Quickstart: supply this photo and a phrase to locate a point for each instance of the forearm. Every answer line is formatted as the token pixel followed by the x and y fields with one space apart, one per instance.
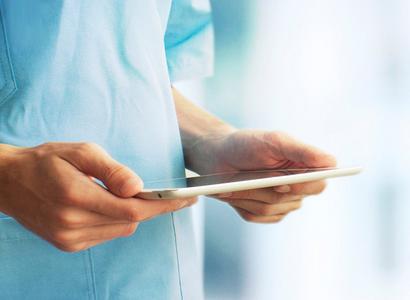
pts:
pixel 196 125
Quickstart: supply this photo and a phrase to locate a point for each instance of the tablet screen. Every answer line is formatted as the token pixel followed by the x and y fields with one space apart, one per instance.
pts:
pixel 224 178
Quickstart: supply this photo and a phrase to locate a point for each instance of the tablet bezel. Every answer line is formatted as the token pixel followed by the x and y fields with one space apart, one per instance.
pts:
pixel 212 189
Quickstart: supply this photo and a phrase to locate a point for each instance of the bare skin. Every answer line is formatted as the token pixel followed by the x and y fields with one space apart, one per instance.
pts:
pixel 50 189
pixel 212 146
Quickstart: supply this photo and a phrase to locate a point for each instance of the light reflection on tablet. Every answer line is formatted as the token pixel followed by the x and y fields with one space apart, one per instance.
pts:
pixel 224 178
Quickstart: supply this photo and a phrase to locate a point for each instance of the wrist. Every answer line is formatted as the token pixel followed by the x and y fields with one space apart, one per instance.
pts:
pixel 7 157
pixel 201 133
pixel 7 154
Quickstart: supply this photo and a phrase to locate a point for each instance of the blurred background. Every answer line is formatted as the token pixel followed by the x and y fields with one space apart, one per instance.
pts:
pixel 336 74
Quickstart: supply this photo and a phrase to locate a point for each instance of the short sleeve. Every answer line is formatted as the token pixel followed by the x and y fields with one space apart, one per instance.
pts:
pixel 189 40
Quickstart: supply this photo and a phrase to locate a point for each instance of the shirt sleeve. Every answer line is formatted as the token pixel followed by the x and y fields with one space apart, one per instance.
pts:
pixel 189 41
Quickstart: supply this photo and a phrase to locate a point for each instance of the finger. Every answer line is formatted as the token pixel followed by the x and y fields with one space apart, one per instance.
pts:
pixel 80 246
pixel 308 188
pixel 267 195
pixel 263 209
pixel 75 218
pixel 77 240
pixel 258 219
pixel 282 189
pixel 93 160
pixel 103 232
pixel 147 209
pixel 88 195
pixel 86 245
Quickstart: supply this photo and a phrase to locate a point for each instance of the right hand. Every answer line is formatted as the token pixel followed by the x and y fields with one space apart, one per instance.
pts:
pixel 50 190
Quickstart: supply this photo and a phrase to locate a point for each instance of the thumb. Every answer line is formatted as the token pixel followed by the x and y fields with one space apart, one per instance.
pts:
pixel 93 160
pixel 305 154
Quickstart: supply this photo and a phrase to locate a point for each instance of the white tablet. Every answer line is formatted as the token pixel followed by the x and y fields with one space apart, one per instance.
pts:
pixel 236 181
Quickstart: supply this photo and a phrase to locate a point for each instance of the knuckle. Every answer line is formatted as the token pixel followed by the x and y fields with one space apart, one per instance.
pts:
pixel 134 215
pixel 67 219
pixel 68 193
pixel 89 147
pixel 46 153
pixel 62 237
pixel 47 162
pixel 45 148
pixel 40 152
pixel 50 145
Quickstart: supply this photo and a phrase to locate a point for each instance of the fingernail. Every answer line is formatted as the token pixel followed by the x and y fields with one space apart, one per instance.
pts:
pixel 282 189
pixel 187 203
pixel 184 203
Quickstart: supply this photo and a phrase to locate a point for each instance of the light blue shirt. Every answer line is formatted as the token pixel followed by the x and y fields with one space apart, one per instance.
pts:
pixel 100 71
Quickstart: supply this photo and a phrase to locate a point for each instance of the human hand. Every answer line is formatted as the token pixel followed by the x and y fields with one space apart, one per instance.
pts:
pixel 50 189
pixel 252 150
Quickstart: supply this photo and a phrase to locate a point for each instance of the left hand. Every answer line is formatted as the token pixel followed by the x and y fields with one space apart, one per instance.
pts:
pixel 252 150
